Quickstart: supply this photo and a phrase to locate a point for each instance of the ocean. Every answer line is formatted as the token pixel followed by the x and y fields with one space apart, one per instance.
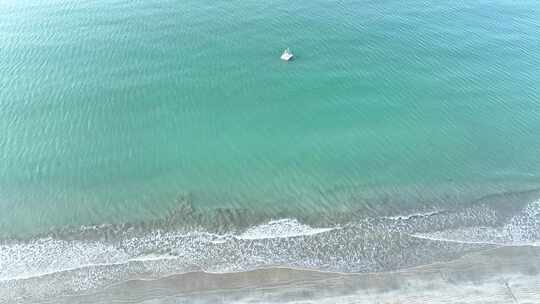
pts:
pixel 146 139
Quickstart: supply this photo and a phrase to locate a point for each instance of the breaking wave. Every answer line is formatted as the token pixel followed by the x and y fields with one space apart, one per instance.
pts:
pixel 47 256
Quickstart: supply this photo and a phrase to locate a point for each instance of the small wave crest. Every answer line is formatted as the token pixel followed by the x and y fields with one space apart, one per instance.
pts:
pixel 283 228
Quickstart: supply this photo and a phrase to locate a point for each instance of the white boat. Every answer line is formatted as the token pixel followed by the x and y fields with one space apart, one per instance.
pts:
pixel 287 55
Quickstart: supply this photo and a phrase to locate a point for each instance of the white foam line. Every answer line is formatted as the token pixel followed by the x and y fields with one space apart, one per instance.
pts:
pixel 146 258
pixel 44 273
pixel 511 244
pixel 314 231
pixel 151 257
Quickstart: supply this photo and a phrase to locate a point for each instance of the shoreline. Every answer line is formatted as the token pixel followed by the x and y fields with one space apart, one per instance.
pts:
pixel 496 274
pixel 107 258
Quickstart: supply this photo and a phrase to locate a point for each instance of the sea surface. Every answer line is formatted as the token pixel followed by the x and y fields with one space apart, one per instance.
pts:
pixel 146 139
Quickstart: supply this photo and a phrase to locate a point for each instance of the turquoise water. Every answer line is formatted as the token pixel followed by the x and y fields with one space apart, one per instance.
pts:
pixel 113 111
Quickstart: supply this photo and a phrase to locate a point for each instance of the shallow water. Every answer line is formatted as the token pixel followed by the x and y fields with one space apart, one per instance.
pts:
pixel 144 139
